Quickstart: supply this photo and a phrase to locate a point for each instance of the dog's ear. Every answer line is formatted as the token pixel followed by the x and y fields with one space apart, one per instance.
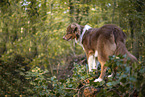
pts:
pixel 76 28
pixel 73 26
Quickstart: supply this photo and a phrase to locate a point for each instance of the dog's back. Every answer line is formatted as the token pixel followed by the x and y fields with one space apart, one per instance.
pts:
pixel 113 34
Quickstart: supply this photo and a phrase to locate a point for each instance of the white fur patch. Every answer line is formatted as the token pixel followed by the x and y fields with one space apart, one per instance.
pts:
pixel 98 80
pixel 87 27
pixel 96 53
pixel 91 63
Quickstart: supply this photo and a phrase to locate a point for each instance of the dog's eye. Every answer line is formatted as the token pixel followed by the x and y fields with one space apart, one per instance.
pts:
pixel 69 33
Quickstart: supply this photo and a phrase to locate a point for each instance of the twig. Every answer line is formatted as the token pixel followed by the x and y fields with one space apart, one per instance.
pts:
pixel 79 90
pixel 70 89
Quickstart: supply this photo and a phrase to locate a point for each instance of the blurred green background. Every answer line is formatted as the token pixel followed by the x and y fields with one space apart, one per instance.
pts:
pixel 31 34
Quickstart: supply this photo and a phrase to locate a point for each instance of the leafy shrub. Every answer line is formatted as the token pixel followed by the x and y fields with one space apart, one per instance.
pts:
pixel 37 79
pixel 62 88
pixel 128 81
pixel 12 76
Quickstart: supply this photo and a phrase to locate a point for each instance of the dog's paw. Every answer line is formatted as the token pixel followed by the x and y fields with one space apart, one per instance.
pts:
pixel 90 70
pixel 98 80
pixel 110 75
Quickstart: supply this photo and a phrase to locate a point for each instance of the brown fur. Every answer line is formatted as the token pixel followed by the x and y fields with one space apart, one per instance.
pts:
pixel 107 40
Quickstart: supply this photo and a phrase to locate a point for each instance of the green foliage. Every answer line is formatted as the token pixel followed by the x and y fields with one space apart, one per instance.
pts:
pixel 64 88
pixel 37 79
pixel 31 34
pixel 12 75
pixel 128 80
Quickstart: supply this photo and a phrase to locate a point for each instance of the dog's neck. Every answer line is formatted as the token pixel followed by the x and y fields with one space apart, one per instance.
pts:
pixel 79 40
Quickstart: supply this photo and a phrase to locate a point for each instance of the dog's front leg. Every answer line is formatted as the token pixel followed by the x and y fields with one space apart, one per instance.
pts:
pixel 91 62
pixel 94 63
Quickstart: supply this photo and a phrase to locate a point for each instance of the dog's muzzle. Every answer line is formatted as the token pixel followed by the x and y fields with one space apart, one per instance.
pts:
pixel 66 38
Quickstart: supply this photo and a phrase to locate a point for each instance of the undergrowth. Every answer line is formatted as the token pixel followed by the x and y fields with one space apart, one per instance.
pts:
pixel 127 82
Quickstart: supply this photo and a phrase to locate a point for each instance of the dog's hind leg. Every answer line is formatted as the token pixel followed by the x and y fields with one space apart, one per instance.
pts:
pixel 105 49
pixel 103 72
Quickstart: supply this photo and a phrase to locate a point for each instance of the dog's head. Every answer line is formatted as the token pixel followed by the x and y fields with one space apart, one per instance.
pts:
pixel 73 31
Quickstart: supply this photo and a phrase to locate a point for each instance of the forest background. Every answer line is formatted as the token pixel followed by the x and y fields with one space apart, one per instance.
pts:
pixel 31 34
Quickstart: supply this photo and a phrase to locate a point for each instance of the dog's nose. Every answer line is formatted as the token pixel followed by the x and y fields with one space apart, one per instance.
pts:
pixel 64 37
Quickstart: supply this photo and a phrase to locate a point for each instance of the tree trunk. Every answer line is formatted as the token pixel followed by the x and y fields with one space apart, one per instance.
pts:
pixel 44 10
pixel 4 7
pixel 139 8
pixel 71 12
pixel 71 8
pixel 131 24
pixel 33 15
pixel 114 5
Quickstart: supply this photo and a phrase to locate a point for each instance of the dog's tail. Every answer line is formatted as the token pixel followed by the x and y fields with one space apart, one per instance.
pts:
pixel 121 49
pixel 120 38
pixel 132 57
